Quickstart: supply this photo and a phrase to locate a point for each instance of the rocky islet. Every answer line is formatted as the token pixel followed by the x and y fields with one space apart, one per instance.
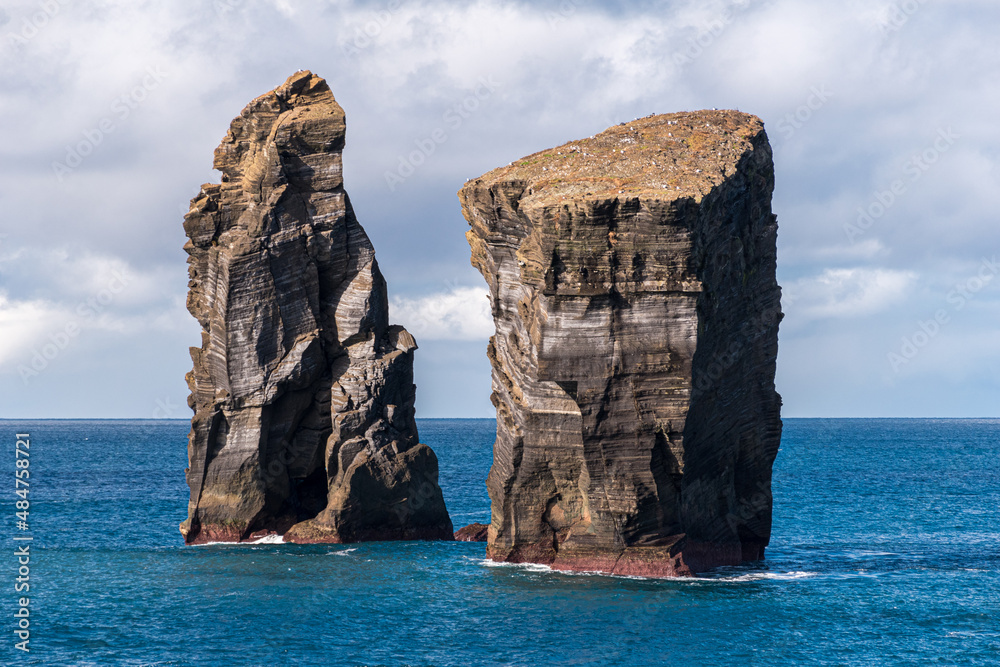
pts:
pixel 303 392
pixel 632 283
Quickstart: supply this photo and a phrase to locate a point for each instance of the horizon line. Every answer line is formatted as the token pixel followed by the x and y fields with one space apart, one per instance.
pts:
pixel 183 419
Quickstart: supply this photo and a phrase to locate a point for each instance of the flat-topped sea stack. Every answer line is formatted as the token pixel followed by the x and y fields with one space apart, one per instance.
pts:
pixel 632 281
pixel 303 393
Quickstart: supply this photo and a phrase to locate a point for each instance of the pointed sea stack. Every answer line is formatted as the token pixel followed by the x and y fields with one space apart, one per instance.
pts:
pixel 632 280
pixel 303 393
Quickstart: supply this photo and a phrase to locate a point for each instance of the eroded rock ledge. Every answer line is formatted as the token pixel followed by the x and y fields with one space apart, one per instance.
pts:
pixel 474 532
pixel 303 393
pixel 632 279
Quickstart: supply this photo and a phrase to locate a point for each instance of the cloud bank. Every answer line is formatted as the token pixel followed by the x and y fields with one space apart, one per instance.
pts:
pixel 881 115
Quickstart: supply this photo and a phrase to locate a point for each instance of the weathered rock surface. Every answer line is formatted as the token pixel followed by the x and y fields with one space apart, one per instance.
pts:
pixel 474 532
pixel 632 280
pixel 303 393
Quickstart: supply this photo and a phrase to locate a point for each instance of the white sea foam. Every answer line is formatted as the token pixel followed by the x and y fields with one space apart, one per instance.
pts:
pixel 267 539
pixel 527 567
pixel 972 634
pixel 761 576
pixel 726 578
pixel 536 567
pixel 342 552
pixel 865 554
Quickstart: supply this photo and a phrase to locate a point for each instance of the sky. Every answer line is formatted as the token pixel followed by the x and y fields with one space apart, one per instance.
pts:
pixel 882 116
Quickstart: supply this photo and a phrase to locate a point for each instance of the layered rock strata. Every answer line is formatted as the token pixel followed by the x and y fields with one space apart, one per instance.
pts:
pixel 632 281
pixel 303 393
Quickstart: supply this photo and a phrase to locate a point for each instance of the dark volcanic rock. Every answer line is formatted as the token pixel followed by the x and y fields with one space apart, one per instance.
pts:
pixel 632 280
pixel 303 393
pixel 474 532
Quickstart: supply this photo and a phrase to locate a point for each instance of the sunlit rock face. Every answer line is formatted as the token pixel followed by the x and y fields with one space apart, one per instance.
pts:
pixel 303 393
pixel 632 280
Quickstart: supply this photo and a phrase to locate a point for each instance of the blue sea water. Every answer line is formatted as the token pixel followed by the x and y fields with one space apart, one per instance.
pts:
pixel 885 551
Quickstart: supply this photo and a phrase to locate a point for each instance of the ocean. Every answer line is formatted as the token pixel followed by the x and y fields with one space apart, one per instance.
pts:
pixel 885 551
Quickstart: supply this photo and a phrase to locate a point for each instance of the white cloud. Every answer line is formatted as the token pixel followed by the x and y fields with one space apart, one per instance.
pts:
pixel 461 314
pixel 23 324
pixel 54 295
pixel 37 326
pixel 867 249
pixel 846 293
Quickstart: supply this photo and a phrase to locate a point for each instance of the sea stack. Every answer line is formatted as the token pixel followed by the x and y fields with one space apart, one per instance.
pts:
pixel 632 282
pixel 303 393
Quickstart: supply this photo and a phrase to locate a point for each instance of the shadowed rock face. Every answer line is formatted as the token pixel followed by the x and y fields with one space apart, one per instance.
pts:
pixel 303 393
pixel 632 280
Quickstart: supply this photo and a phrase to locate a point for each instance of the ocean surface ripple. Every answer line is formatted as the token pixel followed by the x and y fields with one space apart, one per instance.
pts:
pixel 885 551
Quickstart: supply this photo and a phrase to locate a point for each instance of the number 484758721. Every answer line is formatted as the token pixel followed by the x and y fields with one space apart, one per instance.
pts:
pixel 22 475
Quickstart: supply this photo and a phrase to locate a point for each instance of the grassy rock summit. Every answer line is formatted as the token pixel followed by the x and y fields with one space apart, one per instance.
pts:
pixel 632 281
pixel 303 393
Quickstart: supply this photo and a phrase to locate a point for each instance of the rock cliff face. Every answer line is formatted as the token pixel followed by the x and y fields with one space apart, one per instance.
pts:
pixel 632 280
pixel 303 393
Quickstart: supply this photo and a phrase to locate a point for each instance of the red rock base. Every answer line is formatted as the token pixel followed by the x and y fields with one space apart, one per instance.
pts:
pixel 308 532
pixel 475 532
pixel 679 558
